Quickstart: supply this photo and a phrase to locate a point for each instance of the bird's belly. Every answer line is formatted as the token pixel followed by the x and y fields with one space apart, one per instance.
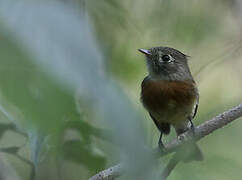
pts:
pixel 171 117
pixel 172 113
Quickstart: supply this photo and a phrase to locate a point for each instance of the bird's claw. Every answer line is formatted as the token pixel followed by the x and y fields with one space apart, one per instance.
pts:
pixel 161 145
pixel 192 128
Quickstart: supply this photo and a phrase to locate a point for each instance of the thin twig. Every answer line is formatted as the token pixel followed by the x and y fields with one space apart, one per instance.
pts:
pixel 199 132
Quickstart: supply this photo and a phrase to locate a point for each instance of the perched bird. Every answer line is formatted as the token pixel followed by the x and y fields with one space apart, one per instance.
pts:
pixel 169 93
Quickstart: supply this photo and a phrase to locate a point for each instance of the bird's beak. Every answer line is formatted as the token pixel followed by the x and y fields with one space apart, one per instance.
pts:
pixel 145 51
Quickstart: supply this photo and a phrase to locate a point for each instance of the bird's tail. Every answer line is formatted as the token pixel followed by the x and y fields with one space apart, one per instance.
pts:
pixel 194 154
pixel 190 152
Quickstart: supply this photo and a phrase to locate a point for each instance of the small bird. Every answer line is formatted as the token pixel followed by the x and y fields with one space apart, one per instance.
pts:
pixel 169 93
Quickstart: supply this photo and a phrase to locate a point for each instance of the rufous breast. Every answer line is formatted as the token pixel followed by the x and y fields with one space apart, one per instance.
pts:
pixel 164 95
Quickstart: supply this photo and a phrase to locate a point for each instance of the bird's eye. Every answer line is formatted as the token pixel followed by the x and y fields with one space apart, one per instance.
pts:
pixel 166 58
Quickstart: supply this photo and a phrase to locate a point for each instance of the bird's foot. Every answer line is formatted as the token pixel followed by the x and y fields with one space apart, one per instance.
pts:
pixel 161 145
pixel 192 128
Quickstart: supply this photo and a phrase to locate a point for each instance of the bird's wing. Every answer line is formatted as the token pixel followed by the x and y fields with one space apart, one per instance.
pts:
pixel 194 112
pixel 163 127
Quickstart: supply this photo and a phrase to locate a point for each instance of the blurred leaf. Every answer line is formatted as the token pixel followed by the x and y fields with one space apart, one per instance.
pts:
pixel 71 61
pixel 79 152
pixel 6 127
pixel 75 63
pixel 86 131
pixel 10 150
pixel 83 128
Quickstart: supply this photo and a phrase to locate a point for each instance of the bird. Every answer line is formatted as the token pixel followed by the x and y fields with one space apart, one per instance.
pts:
pixel 170 94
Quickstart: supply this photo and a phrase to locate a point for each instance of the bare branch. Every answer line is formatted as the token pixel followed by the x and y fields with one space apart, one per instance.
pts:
pixel 109 174
pixel 199 132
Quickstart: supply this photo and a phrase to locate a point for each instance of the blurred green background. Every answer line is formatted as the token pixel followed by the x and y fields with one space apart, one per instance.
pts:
pixel 60 133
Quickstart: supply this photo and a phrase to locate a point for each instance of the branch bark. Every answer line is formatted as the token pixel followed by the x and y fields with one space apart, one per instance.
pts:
pixel 109 174
pixel 199 132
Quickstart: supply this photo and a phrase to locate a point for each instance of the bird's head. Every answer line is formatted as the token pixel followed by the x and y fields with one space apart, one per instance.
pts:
pixel 166 63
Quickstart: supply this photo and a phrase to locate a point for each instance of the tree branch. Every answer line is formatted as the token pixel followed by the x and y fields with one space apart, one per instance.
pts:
pixel 109 174
pixel 199 132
